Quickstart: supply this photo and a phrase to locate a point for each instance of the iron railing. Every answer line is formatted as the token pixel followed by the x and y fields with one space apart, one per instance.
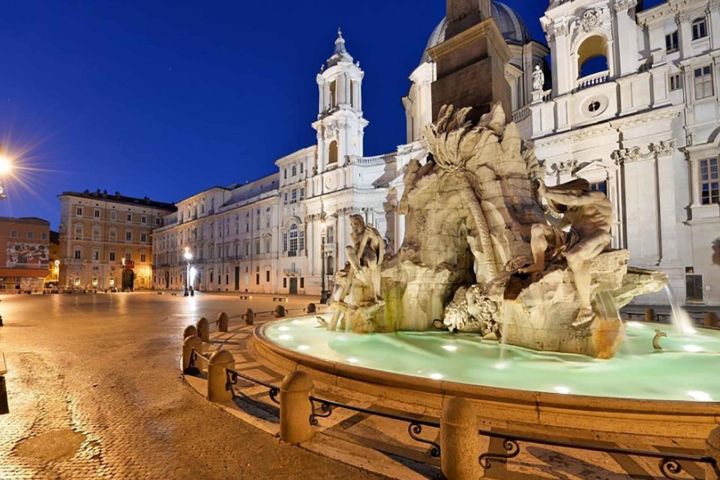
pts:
pixel 323 408
pixel 670 463
pixel 232 377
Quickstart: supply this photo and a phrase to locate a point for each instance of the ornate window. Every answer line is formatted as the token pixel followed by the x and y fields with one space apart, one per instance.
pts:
pixel 294 170
pixel 703 82
pixel 671 42
pixel 675 82
pixel 699 29
pixel 709 181
pixel 113 235
pixel 293 240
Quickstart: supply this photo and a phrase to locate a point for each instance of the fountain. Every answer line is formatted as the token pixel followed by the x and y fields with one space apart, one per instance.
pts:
pixel 526 289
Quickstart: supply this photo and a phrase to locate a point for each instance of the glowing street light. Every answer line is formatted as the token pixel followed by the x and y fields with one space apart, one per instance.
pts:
pixel 6 168
pixel 188 258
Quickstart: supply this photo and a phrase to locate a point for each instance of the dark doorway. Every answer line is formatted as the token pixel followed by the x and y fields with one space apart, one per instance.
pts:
pixel 167 280
pixel 237 278
pixel 694 288
pixel 293 286
pixel 128 280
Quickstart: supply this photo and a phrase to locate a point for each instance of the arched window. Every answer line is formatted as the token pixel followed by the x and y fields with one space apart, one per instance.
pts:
pixel 592 56
pixel 699 28
pixel 294 170
pixel 333 152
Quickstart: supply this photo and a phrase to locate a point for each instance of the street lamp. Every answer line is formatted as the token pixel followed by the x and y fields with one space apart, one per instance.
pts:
pixel 324 294
pixel 188 257
pixel 6 168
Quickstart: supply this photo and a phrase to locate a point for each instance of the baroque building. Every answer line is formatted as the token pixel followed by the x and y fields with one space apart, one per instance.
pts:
pixel 285 232
pixel 634 109
pixel 105 240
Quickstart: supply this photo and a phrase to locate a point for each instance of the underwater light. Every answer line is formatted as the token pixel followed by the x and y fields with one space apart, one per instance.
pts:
pixel 700 396
pixel 693 348
pixel 562 390
pixel 436 376
pixel 450 348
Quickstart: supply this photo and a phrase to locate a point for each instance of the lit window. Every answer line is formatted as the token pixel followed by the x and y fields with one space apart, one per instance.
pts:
pixel 709 181
pixel 671 42
pixel 293 240
pixel 699 29
pixel 703 82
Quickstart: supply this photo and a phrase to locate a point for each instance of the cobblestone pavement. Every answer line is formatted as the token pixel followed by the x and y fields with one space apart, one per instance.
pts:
pixel 95 392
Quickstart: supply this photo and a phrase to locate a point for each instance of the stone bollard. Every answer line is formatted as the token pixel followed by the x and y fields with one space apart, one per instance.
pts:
pixel 190 331
pixel 460 443
pixel 203 329
pixel 223 322
pixel 711 320
pixel 217 378
pixel 295 408
pixel 279 311
pixel 311 308
pixel 712 450
pixel 250 317
pixel 649 315
pixel 190 344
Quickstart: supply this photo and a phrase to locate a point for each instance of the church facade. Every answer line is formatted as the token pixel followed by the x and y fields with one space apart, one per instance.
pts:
pixel 634 108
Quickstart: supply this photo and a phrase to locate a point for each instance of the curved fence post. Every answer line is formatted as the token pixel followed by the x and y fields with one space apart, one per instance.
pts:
pixel 190 331
pixel 295 408
pixel 203 329
pixel 190 344
pixel 279 311
pixel 217 378
pixel 223 322
pixel 459 440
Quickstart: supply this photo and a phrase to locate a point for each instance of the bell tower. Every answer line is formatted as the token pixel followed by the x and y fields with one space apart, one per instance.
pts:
pixel 340 125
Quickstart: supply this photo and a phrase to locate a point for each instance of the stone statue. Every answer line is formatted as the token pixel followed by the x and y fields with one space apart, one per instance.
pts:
pixel 589 216
pixel 472 218
pixel 366 253
pixel 538 78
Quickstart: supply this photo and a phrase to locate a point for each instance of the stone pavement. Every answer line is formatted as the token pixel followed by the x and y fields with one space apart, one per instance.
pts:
pixel 95 391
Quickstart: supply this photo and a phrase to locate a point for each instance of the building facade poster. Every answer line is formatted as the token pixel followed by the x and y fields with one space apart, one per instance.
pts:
pixel 22 254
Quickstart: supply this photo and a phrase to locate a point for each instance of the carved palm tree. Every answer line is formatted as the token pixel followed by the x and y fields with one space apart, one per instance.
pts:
pixel 453 140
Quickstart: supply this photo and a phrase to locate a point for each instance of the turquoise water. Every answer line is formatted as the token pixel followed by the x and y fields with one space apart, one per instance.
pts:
pixel 688 367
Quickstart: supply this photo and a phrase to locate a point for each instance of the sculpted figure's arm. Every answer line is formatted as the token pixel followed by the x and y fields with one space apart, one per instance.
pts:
pixel 381 249
pixel 570 199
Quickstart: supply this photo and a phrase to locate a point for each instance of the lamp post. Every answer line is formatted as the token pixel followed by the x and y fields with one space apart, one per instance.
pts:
pixel 188 258
pixel 324 294
pixel 6 167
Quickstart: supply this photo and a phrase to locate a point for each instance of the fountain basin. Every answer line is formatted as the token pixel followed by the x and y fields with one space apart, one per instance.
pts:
pixel 672 393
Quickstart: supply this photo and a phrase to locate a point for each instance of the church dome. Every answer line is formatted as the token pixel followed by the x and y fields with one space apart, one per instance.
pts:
pixel 509 23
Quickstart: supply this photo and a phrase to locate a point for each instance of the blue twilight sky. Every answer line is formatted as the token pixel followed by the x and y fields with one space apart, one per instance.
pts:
pixel 165 99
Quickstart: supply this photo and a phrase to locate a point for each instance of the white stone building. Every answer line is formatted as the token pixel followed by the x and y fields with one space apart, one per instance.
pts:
pixel 634 109
pixel 271 235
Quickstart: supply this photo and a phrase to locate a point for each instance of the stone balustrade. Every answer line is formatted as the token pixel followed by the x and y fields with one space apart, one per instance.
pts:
pixel 592 80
